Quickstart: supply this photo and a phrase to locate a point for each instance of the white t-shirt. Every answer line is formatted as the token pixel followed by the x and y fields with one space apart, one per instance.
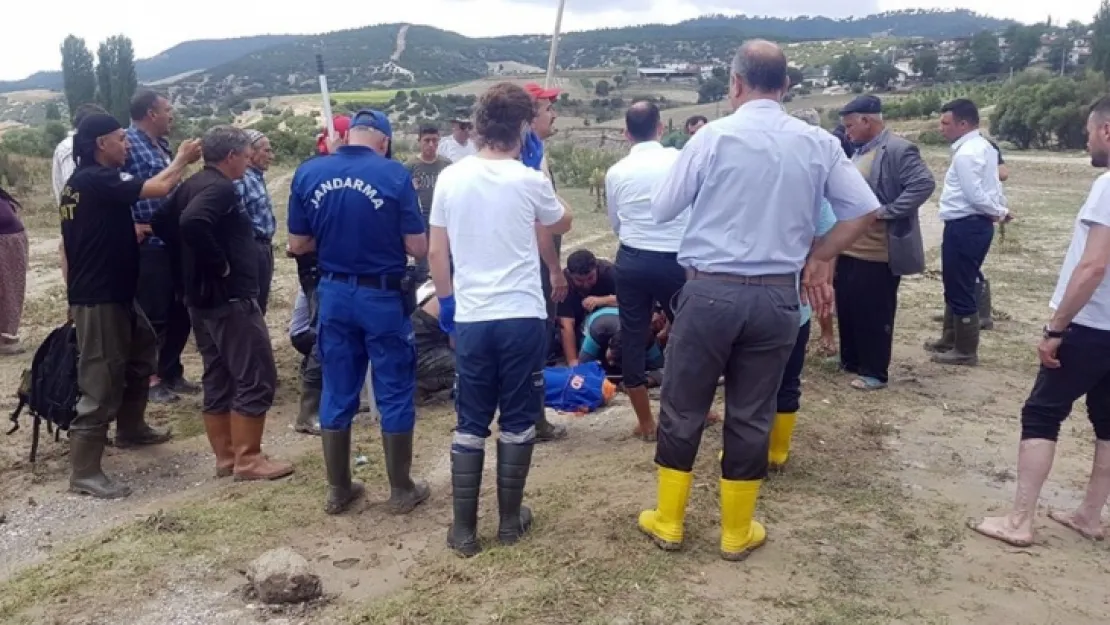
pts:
pixel 490 209
pixel 63 166
pixel 1096 210
pixel 454 151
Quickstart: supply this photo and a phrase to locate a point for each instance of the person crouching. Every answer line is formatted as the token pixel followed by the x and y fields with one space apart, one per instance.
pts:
pixel 220 263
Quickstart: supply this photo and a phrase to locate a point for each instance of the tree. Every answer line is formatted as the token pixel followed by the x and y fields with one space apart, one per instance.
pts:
pixel 1022 44
pixel 618 80
pixel 712 90
pixel 926 63
pixel 105 64
pixel 78 77
pixel 1100 40
pixel 986 56
pixel 1045 111
pixel 1059 53
pixel 115 76
pixel 846 70
pixel 796 76
pixel 602 88
pixel 881 75
pixel 53 113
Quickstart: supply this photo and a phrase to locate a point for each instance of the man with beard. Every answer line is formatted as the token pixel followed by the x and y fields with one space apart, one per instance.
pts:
pixel 159 292
pixel 593 285
pixel 1075 361
pixel 115 340
pixel 255 199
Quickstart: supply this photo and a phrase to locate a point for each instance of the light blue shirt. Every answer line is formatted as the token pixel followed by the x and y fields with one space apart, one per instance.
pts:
pixel 754 182
pixel 825 222
pixel 302 317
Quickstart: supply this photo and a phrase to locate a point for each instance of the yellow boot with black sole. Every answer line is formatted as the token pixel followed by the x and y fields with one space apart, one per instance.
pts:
pixel 740 533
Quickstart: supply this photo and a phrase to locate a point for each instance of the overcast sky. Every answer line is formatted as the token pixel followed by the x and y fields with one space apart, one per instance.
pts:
pixel 32 37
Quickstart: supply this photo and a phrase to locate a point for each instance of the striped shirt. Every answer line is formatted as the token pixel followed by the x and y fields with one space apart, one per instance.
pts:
pixel 255 201
pixel 146 158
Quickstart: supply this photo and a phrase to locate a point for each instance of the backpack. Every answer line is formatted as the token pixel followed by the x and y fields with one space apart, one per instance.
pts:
pixel 49 388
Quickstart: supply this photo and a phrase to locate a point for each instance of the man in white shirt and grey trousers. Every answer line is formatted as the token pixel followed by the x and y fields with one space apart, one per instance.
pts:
pixel 647 264
pixel 970 204
pixel 754 183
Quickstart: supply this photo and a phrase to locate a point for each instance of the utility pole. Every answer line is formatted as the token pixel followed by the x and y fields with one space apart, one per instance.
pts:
pixel 554 45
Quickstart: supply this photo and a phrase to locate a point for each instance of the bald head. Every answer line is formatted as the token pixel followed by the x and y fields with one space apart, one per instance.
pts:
pixel 642 122
pixel 761 66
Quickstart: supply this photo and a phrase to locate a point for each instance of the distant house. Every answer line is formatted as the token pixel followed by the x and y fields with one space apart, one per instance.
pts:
pixel 670 72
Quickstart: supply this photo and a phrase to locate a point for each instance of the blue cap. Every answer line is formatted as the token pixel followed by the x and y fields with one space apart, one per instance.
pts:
pixel 368 118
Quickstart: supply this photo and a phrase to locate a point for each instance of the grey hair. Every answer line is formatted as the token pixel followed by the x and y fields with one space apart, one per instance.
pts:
pixel 254 136
pixel 223 141
pixel 809 116
pixel 761 65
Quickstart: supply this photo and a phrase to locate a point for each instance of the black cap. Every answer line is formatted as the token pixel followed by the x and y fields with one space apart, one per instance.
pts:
pixel 864 104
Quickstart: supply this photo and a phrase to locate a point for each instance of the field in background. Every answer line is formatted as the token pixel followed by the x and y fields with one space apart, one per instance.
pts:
pixel 866 526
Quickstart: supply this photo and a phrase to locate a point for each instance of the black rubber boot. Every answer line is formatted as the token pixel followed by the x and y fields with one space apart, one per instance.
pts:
pixel 513 463
pixel 466 482
pixel 547 431
pixel 948 335
pixel 132 430
pixel 86 448
pixel 983 297
pixel 309 415
pixel 966 350
pixel 342 492
pixel 404 493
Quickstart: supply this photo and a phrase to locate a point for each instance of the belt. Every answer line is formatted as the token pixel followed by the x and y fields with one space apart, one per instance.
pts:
pixel 384 283
pixel 637 251
pixel 780 279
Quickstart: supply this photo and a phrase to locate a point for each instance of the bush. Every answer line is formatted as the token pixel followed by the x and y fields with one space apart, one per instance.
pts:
pixel 575 166
pixel 1045 111
pixel 931 137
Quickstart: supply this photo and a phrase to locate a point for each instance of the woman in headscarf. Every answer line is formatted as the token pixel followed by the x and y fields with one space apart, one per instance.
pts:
pixel 13 273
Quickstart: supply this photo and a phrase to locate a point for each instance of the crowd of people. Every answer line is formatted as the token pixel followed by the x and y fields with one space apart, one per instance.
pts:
pixel 728 249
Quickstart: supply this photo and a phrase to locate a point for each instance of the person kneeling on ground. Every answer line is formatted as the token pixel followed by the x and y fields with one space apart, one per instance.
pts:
pixel 603 338
pixel 117 341
pixel 220 262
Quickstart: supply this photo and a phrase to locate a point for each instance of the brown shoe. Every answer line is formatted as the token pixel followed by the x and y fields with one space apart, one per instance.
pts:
pixel 218 428
pixel 250 462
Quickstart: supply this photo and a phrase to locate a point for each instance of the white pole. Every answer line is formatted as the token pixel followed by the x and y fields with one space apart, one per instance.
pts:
pixel 328 121
pixel 554 45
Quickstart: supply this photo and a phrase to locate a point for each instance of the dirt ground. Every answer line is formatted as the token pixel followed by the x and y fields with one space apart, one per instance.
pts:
pixel 867 525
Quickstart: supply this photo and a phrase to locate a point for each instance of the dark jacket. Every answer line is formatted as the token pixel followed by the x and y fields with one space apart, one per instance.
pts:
pixel 902 182
pixel 213 239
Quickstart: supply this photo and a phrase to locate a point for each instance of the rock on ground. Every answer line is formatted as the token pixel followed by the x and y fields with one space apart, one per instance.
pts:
pixel 283 576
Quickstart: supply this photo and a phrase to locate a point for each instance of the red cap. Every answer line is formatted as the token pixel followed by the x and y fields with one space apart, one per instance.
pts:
pixel 539 93
pixel 342 124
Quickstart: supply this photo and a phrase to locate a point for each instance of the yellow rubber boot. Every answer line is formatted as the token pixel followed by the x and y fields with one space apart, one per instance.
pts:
pixel 664 524
pixel 740 535
pixel 781 434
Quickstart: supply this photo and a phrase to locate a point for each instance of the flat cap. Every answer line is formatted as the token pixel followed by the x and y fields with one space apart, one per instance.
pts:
pixel 864 104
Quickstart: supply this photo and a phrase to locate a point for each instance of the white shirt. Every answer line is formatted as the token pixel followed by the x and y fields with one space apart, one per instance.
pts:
pixel 971 186
pixel 490 209
pixel 754 182
pixel 1096 210
pixel 452 150
pixel 629 186
pixel 63 166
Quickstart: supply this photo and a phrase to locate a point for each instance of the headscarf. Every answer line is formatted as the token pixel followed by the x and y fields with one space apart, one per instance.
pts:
pixel 84 141
pixel 253 136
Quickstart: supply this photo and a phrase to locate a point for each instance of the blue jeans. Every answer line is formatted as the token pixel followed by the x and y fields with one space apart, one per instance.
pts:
pixel 964 247
pixel 360 325
pixel 499 368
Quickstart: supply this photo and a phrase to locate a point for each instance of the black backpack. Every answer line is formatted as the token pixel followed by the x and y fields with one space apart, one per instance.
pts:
pixel 49 389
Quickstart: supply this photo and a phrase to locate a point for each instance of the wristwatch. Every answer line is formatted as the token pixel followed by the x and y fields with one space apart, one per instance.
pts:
pixel 1049 333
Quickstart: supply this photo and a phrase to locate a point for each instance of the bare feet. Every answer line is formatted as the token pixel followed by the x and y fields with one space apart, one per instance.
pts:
pixel 1006 529
pixel 1091 530
pixel 713 417
pixel 645 433
pixel 826 347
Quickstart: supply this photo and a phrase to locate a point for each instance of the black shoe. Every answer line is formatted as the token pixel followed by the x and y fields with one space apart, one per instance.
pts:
pixel 182 386
pixel 342 492
pixel 161 394
pixel 466 483
pixel 142 436
pixel 513 463
pixel 404 493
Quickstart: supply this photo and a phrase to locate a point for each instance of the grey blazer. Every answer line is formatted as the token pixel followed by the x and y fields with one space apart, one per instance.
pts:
pixel 902 182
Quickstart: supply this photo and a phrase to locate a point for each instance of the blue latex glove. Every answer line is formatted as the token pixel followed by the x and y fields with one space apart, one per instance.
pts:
pixel 447 314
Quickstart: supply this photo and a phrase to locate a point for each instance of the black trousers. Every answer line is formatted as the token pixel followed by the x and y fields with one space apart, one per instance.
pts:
pixel 265 272
pixel 790 389
pixel 643 278
pixel 746 332
pixel 239 370
pixel 964 246
pixel 552 346
pixel 159 299
pixel 866 303
pixel 1084 356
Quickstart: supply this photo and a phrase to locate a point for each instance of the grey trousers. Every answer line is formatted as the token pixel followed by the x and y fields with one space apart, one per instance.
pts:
pixel 744 328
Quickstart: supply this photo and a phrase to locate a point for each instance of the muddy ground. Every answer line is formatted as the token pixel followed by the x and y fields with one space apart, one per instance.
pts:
pixel 867 525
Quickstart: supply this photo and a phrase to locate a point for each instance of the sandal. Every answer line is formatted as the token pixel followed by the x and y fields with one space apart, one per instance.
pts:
pixel 867 383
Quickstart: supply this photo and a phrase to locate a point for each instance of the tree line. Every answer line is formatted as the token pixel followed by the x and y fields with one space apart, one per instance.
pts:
pixel 111 83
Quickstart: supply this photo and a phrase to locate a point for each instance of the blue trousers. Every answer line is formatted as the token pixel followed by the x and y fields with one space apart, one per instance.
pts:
pixel 964 247
pixel 358 326
pixel 499 367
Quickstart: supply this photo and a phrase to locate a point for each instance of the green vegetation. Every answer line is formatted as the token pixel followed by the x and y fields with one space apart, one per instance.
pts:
pixel 1038 110
pixel 927 102
pixel 77 69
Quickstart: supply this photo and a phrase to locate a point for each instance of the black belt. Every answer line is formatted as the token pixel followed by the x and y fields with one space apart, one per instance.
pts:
pixel 638 252
pixel 384 283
